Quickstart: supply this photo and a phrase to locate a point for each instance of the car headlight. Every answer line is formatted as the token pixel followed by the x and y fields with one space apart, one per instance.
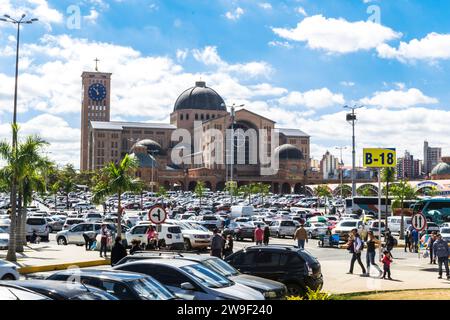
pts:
pixel 270 294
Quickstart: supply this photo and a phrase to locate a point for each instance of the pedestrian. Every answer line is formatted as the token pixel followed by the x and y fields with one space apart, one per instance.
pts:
pixel 228 246
pixel 371 252
pixel 104 232
pixel 266 235
pixel 390 242
pixel 408 240
pixel 118 251
pixel 386 260
pixel 415 240
pixel 259 235
pixel 358 246
pixel 442 252
pixel 217 244
pixel 152 238
pixel 135 246
pixel 89 238
pixel 430 243
pixel 301 236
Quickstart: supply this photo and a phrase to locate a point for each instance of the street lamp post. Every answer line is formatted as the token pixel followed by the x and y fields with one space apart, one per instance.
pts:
pixel 11 256
pixel 351 117
pixel 341 164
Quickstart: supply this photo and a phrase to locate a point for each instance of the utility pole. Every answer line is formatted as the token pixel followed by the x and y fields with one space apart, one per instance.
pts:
pixel 341 165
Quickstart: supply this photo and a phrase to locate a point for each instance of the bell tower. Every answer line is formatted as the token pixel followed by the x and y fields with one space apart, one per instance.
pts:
pixel 96 106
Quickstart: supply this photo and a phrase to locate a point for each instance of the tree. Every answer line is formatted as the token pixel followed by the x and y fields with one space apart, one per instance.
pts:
pixel 117 179
pixel 431 191
pixel 231 188
pixel 247 190
pixel 387 176
pixel 200 190
pixel 323 191
pixel 263 190
pixel 67 181
pixel 402 191
pixel 21 162
pixel 366 191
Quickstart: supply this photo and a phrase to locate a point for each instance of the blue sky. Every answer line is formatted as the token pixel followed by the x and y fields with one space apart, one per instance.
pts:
pixel 296 61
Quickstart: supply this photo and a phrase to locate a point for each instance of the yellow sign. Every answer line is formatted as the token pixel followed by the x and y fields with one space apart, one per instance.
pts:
pixel 380 158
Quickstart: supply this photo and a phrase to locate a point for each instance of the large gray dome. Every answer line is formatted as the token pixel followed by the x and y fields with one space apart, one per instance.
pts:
pixel 441 169
pixel 200 97
pixel 289 152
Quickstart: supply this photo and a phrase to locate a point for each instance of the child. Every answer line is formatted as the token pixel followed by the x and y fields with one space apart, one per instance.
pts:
pixel 386 260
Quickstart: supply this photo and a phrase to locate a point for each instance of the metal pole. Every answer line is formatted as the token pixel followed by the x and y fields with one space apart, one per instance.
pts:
pixel 232 152
pixel 379 209
pixel 353 154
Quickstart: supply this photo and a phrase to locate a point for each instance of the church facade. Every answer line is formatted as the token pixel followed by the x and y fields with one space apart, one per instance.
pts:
pixel 205 154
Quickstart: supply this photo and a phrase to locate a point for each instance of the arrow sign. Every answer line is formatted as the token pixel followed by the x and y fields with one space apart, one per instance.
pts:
pixel 419 222
pixel 157 215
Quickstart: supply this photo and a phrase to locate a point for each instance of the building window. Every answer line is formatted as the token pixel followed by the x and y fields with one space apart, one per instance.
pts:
pixel 213 116
pixel 181 117
pixel 196 116
pixel 187 116
pixel 202 117
pixel 207 117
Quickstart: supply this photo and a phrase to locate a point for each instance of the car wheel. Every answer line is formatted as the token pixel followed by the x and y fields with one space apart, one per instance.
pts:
pixel 50 230
pixel 294 290
pixel 187 244
pixel 278 235
pixel 310 235
pixel 8 277
pixel 62 241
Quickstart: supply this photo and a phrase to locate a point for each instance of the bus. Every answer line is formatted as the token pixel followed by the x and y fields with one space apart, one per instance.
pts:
pixel 434 209
pixel 368 204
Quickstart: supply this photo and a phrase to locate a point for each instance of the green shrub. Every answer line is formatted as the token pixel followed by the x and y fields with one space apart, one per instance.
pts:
pixel 312 295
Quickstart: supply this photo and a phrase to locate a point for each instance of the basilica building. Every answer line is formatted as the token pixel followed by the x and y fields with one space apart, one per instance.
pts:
pixel 204 141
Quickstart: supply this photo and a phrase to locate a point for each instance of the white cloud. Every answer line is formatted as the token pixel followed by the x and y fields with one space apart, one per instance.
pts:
pixel 433 47
pixel 265 6
pixel 235 15
pixel 399 98
pixel 314 99
pixel 182 54
pixel 347 83
pixel 92 17
pixel 210 57
pixel 338 35
pixel 283 44
pixel 302 11
pixel 33 9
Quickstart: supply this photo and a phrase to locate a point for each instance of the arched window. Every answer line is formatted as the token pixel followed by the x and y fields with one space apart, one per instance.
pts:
pixel 181 117
pixel 187 116
pixel 202 117
pixel 207 117
pixel 196 116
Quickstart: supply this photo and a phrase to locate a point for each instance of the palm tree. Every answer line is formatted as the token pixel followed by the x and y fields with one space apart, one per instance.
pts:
pixel 402 191
pixel 21 163
pixel 117 179
pixel 200 190
pixel 387 176
pixel 323 192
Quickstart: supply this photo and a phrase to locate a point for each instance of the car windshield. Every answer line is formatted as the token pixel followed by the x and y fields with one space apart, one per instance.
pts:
pixel 149 289
pixel 221 267
pixel 348 224
pixel 209 218
pixel 198 227
pixel 206 276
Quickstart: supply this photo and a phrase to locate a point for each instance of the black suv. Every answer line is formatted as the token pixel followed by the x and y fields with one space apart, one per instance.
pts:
pixel 294 267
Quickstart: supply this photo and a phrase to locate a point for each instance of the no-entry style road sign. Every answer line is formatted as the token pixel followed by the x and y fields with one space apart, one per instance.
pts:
pixel 380 158
pixel 419 222
pixel 157 214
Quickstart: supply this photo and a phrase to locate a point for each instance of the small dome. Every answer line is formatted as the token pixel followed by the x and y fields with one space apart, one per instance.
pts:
pixel 153 147
pixel 200 97
pixel 441 169
pixel 289 152
pixel 144 160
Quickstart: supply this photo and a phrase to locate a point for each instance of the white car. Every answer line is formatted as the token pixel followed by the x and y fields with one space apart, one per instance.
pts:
pixel 282 228
pixel 195 237
pixel 344 227
pixel 74 235
pixel 445 232
pixel 38 225
pixel 4 238
pixel 8 271
pixel 93 217
pixel 170 235
pixel 315 229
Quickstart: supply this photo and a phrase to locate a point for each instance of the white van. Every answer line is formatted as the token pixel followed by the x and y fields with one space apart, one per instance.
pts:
pixel 394 223
pixel 241 211
pixel 169 235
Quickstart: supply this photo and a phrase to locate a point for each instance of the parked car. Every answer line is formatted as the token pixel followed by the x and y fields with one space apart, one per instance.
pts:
pixel 315 229
pixel 445 232
pixel 282 228
pixel 294 267
pixel 210 222
pixel 11 291
pixel 394 223
pixel 191 280
pixel 56 290
pixel 8 271
pixel 93 217
pixel 431 226
pixel 169 236
pixel 4 238
pixel 121 284
pixel 344 227
pixel 240 231
pixel 270 289
pixel 38 225
pixel 71 222
pixel 54 224
pixel 193 236
pixel 75 234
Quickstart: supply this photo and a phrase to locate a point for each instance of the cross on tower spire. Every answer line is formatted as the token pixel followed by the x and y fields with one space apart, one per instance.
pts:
pixel 96 64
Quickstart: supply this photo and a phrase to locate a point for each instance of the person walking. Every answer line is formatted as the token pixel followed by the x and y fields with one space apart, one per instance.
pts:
pixel 430 243
pixel 390 242
pixel 104 233
pixel 442 252
pixel 371 252
pixel 118 251
pixel 217 244
pixel 266 235
pixel 358 246
pixel 408 240
pixel 259 235
pixel 228 246
pixel 415 240
pixel 386 260
pixel 152 238
pixel 301 236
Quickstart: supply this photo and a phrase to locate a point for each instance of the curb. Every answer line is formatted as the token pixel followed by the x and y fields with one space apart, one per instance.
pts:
pixel 63 266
